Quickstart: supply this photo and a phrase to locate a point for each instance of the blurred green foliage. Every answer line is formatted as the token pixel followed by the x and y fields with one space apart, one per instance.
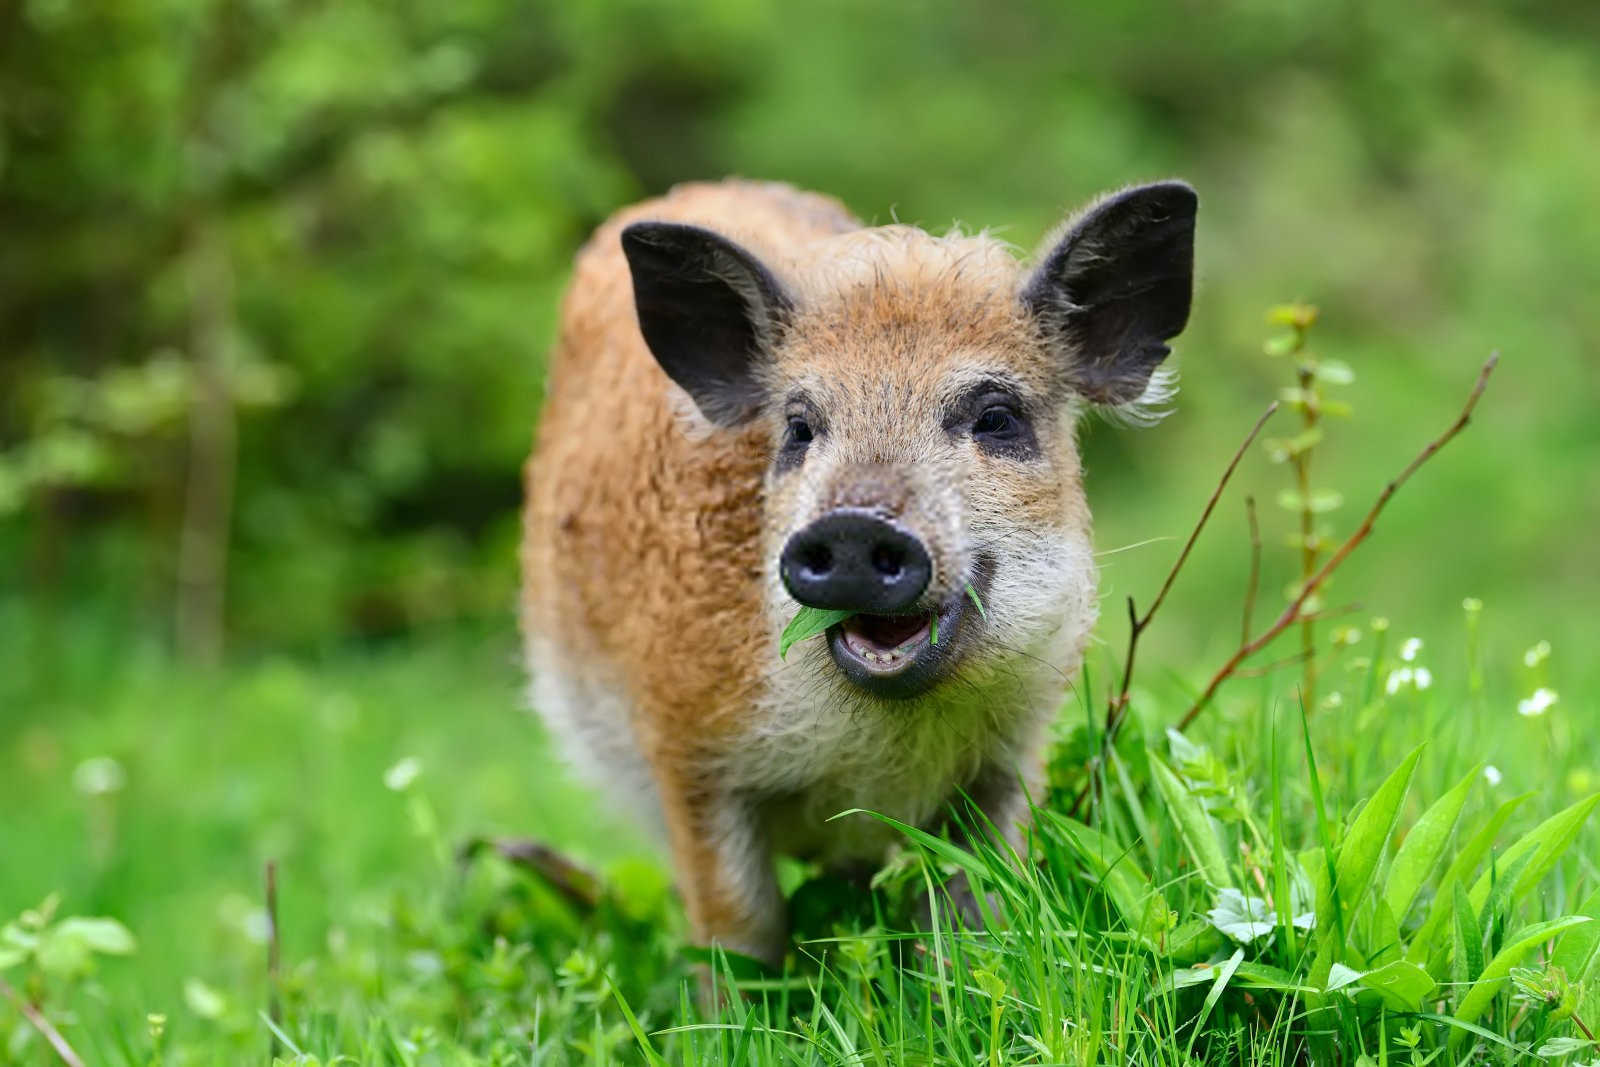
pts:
pixel 396 190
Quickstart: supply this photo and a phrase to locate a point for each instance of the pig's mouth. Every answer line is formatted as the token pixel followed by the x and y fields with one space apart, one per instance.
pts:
pixel 902 656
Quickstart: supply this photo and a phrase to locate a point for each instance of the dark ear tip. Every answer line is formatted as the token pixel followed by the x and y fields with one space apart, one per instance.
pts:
pixel 1174 196
pixel 643 234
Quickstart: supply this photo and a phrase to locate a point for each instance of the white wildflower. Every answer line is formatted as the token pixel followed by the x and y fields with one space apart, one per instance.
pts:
pixel 257 926
pixel 1423 677
pixel 402 774
pixel 1537 654
pixel 1409 650
pixel 1491 774
pixel 99 776
pixel 1538 703
pixel 1401 676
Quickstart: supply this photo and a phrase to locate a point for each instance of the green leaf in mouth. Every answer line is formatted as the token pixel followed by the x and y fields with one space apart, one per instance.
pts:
pixel 973 593
pixel 807 623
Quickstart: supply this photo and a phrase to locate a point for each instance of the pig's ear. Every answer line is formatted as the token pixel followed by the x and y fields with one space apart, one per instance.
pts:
pixel 708 310
pixel 1116 288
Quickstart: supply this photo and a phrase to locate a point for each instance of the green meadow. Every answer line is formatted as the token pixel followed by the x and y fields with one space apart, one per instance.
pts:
pixel 276 284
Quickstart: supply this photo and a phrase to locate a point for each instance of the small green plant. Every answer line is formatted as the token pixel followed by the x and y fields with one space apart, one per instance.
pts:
pixel 50 957
pixel 1308 397
pixel 1432 927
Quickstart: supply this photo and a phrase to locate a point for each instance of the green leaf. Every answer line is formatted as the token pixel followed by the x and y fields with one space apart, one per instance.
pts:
pixel 1224 976
pixel 1358 855
pixel 1194 825
pixel 1325 500
pixel 1297 316
pixel 1265 976
pixel 1400 985
pixel 1192 941
pixel 1575 954
pixel 1494 976
pixel 1544 844
pixel 203 1000
pixel 1114 870
pixel 1334 372
pixel 1363 844
pixel 1281 345
pixel 1425 945
pixel 105 936
pixel 1403 986
pixel 1295 397
pixel 808 623
pixel 1466 940
pixel 973 594
pixel 1557 1047
pixel 1423 847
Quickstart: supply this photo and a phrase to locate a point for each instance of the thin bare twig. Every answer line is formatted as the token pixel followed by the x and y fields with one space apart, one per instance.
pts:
pixel 1117 706
pixel 41 1024
pixel 1293 613
pixel 1254 581
pixel 1268 668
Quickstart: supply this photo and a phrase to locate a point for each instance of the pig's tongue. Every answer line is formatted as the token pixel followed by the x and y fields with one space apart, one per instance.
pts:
pixel 885 632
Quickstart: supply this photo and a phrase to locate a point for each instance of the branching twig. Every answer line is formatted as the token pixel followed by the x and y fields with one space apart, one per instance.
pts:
pixel 1293 613
pixel 1254 581
pixel 41 1024
pixel 1117 706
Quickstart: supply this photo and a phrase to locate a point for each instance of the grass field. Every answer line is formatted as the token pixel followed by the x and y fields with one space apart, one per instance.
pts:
pixel 139 792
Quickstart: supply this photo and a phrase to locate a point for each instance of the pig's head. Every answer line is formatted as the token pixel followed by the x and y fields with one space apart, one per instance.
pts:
pixel 919 397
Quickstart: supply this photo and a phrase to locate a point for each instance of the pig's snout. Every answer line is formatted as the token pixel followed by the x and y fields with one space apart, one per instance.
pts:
pixel 855 560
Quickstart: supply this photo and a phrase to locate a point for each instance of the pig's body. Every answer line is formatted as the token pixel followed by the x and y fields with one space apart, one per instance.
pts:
pixel 653 600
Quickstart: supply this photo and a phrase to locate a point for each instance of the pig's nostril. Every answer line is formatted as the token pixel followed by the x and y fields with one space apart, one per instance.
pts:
pixel 816 560
pixel 888 560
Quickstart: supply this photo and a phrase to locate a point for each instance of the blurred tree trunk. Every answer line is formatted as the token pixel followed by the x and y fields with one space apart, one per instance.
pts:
pixel 208 491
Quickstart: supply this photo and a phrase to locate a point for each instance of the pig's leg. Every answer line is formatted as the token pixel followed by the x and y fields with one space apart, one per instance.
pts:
pixel 725 869
pixel 1001 793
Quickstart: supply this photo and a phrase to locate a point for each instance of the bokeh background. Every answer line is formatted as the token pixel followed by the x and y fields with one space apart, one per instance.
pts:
pixel 277 278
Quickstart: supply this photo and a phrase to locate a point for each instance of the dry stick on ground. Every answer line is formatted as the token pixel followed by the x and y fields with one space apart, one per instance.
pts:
pixel 1117 706
pixel 41 1024
pixel 578 886
pixel 1294 612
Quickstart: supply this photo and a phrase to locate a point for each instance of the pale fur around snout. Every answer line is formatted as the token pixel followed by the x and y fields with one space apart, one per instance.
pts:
pixel 669 474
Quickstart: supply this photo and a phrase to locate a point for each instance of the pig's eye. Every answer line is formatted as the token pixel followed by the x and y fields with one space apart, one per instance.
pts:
pixel 998 424
pixel 796 439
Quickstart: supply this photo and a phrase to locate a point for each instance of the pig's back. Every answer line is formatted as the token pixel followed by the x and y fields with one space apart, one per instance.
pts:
pixel 640 556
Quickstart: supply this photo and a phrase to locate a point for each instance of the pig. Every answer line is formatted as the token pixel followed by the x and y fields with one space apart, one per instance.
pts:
pixel 755 402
